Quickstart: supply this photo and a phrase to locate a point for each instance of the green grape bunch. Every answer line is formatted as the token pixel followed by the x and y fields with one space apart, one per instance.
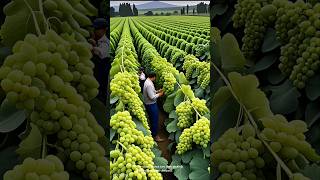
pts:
pixel 124 86
pixel 200 106
pixel 238 155
pixel 199 133
pixel 50 168
pixel 185 114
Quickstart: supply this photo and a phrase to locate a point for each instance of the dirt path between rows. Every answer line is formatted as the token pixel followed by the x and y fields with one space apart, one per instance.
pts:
pixel 163 146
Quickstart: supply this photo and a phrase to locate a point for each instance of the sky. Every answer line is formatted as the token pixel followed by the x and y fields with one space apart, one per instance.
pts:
pixel 181 3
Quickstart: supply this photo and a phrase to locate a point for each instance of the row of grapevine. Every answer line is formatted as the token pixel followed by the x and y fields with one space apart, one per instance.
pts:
pixel 269 129
pixel 197 72
pixel 189 131
pixel 115 35
pixel 132 156
pixel 50 89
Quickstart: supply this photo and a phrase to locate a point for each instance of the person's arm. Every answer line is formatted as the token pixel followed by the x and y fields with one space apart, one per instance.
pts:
pixel 101 49
pixel 151 94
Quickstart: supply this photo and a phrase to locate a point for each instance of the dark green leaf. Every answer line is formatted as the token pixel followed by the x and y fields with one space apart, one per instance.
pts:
pixel 171 136
pixel 160 163
pixel 275 76
pixel 176 160
pixel 179 98
pixel 312 171
pixel 270 41
pixel 9 158
pixel 140 127
pixel 313 87
pixel 312 113
pixel 199 92
pixel 231 55
pixel 187 156
pixel 173 114
pixel 4 52
pixel 199 169
pixel 284 98
pixel 99 111
pixel 112 134
pixel 220 98
pixel 192 81
pixel 206 151
pixel 168 105
pixel 265 62
pixel 182 173
pixel 114 99
pixel 194 74
pixel 177 135
pixel 170 146
pixel 31 145
pixel 156 152
pixel 10 117
pixel 172 126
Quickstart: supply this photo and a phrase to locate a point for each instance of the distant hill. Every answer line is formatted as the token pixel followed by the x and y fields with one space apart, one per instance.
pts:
pixel 151 5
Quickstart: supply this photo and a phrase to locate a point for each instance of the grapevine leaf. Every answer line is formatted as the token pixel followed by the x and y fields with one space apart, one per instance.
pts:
pixel 199 169
pixel 31 145
pixel 160 163
pixel 284 98
pixel 170 146
pixel 9 158
pixel 112 133
pixel 265 62
pixel 312 171
pixel 167 121
pixel 192 81
pixel 194 74
pixel 247 92
pixel 219 9
pixel 313 88
pixel 173 114
pixel 231 55
pixel 270 41
pixel 20 23
pixel 215 45
pixel 179 98
pixel 199 92
pixel 312 113
pixel 177 135
pixel 182 79
pixel 168 105
pixel 99 111
pixel 206 151
pixel 171 136
pixel 10 117
pixel 156 151
pixel 114 99
pixel 225 118
pixel 172 126
pixel 187 156
pixel 182 173
pixel 140 127
pixel 176 160
pixel 220 98
pixel 275 76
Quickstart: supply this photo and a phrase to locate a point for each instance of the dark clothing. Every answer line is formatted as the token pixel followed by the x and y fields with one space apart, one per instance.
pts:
pixel 153 112
pixel 101 73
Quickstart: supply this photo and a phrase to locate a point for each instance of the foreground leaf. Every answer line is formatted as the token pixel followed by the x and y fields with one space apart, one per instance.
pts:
pixel 10 117
pixel 31 146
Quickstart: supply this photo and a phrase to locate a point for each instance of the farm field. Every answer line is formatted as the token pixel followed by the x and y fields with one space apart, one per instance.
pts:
pixel 265 86
pixel 177 50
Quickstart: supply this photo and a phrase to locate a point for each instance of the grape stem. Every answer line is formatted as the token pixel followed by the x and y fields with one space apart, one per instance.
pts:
pixel 122 64
pixel 42 13
pixel 44 143
pixel 34 18
pixel 252 121
pixel 55 146
pixel 122 145
pixel 190 101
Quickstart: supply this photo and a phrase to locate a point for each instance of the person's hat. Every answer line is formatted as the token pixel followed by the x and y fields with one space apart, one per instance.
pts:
pixel 100 23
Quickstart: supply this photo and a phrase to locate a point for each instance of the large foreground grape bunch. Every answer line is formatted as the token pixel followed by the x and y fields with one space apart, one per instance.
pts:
pixel 49 167
pixel 50 75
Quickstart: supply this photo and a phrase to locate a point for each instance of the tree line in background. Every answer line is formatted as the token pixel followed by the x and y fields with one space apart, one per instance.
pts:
pixel 126 10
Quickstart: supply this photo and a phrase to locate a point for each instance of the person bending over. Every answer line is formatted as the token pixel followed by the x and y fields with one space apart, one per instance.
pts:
pixel 150 96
